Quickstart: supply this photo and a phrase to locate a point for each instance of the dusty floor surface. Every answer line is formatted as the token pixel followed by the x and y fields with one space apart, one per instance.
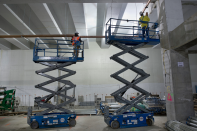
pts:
pixel 84 123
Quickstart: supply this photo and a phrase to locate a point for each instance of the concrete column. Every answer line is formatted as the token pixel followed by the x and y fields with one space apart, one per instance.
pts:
pixel 177 78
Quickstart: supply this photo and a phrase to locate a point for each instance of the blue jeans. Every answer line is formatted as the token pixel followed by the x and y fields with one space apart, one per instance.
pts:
pixel 144 29
pixel 76 50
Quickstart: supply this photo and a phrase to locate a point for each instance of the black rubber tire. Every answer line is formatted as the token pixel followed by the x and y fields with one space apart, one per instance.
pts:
pixel 72 122
pixel 149 122
pixel 115 125
pixel 34 125
pixel 152 122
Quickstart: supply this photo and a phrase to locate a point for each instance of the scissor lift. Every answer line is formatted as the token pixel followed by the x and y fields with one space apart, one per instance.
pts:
pixel 128 43
pixel 59 55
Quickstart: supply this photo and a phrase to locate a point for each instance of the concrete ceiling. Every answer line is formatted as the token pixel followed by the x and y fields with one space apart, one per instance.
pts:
pixel 33 17
pixel 72 1
pixel 88 17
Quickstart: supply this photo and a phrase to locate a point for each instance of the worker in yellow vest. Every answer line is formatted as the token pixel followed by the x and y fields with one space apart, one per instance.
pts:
pixel 144 24
pixel 76 38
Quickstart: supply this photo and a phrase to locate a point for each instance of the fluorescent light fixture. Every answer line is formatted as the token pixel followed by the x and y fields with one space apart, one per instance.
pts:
pixel 14 38
pixel 26 39
pixel 4 31
pixel 52 18
pixel 21 21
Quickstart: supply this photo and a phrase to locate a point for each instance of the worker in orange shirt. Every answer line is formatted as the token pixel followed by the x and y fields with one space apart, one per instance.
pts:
pixel 75 40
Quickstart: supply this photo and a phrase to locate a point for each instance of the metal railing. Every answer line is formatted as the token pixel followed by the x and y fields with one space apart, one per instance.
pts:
pixel 57 48
pixel 123 27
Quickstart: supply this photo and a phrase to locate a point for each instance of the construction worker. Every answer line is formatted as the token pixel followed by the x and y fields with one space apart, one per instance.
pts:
pixel 144 24
pixel 76 39
pixel 133 97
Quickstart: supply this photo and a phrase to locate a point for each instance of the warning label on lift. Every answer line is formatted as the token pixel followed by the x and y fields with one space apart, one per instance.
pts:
pixel 141 118
pixel 133 115
pixel 132 122
pixel 62 119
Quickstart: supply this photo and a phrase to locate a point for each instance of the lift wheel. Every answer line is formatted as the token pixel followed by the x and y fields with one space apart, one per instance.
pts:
pixel 149 122
pixel 72 122
pixel 34 125
pixel 115 124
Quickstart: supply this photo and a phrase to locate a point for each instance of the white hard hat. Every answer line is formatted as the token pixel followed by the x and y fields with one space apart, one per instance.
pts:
pixel 76 32
pixel 141 13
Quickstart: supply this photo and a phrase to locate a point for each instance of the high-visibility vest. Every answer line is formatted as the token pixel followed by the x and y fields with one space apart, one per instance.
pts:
pixel 75 39
pixel 145 19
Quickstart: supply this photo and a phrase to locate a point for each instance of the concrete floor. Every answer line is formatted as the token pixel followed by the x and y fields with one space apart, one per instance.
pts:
pixel 84 123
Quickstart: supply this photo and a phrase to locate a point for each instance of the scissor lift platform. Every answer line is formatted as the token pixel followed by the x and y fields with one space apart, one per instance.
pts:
pixel 43 54
pixel 57 59
pixel 128 43
pixel 134 37
pixel 130 40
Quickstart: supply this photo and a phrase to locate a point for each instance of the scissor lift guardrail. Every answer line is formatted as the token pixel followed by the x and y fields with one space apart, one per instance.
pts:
pixel 58 48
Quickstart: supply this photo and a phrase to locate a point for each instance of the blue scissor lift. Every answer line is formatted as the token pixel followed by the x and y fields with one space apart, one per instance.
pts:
pixel 56 54
pixel 117 35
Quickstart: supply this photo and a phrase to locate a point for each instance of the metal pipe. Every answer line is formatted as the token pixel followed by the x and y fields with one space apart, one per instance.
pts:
pixel 194 118
pixel 54 35
pixel 192 121
pixel 192 124
pixel 114 106
pixel 178 126
pixel 146 5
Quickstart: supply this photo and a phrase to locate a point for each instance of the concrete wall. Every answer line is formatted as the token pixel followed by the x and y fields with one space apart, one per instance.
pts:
pixel 193 69
pixel 17 70
pixel 189 9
